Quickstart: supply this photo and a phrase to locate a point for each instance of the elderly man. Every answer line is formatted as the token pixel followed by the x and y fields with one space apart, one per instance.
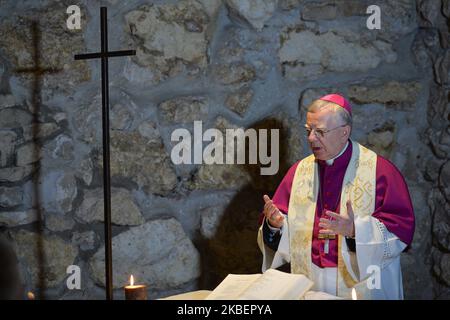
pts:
pixel 341 216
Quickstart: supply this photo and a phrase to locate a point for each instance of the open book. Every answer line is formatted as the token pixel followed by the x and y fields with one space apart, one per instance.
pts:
pixel 271 285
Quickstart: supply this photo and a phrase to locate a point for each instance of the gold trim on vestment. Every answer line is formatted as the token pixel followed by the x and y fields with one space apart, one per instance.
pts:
pixel 358 186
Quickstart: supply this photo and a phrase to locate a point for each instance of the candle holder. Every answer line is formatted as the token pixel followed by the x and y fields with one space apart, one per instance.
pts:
pixel 135 291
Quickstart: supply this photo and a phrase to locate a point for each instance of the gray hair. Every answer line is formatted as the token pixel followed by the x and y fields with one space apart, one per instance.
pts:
pixel 343 114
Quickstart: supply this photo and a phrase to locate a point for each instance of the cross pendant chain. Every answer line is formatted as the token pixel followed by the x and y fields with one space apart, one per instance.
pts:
pixel 326 236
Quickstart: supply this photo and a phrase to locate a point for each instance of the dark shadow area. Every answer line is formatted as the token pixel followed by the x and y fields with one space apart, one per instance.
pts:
pixel 37 72
pixel 234 249
pixel 10 282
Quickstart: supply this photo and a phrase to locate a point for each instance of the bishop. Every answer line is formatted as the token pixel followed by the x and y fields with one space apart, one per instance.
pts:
pixel 340 212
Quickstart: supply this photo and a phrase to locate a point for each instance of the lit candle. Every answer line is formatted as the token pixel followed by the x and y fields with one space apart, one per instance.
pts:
pixel 135 291
pixel 354 297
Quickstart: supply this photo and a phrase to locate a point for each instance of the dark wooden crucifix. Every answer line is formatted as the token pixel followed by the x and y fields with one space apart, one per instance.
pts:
pixel 104 54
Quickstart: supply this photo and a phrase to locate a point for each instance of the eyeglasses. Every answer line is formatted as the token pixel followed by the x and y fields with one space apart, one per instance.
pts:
pixel 320 133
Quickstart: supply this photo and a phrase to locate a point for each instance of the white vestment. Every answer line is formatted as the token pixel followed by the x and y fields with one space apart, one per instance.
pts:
pixel 375 266
pixel 375 246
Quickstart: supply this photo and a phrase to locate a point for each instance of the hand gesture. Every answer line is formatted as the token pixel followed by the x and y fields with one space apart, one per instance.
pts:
pixel 272 214
pixel 342 224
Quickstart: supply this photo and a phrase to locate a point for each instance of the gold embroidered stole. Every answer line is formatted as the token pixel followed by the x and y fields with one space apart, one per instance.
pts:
pixel 359 185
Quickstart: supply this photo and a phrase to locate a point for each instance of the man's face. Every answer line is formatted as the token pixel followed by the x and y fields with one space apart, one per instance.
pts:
pixel 328 146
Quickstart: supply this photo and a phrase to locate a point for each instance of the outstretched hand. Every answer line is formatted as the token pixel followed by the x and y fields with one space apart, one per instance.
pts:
pixel 342 224
pixel 272 213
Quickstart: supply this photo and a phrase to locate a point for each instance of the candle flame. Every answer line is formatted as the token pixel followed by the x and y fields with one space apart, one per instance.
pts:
pixel 131 280
pixel 354 297
pixel 30 295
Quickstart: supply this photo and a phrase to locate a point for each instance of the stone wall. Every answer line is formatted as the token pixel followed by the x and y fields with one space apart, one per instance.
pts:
pixel 432 51
pixel 228 63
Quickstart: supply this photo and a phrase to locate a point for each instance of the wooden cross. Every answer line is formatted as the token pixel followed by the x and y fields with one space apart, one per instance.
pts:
pixel 104 54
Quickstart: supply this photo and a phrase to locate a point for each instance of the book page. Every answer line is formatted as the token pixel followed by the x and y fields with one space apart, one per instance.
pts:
pixel 232 286
pixel 277 285
pixel 318 295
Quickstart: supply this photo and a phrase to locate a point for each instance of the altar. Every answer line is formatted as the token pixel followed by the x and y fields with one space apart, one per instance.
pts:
pixel 203 294
pixel 270 285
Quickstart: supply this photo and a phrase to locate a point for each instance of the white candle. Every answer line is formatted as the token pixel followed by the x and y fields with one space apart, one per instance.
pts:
pixel 135 291
pixel 354 297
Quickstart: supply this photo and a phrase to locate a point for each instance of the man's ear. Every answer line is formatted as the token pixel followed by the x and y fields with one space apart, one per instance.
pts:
pixel 347 130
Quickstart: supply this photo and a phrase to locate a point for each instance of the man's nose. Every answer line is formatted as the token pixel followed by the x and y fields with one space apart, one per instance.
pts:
pixel 312 137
